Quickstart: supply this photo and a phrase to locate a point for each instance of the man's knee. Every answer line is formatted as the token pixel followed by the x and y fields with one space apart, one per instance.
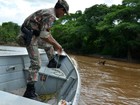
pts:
pixel 33 75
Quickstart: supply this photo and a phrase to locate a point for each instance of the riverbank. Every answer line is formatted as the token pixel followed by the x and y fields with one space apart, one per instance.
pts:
pixel 9 44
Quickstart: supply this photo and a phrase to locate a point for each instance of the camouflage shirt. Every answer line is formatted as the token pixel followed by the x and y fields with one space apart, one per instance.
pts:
pixel 42 21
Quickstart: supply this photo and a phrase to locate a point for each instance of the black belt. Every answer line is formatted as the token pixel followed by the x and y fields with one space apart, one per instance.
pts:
pixel 35 32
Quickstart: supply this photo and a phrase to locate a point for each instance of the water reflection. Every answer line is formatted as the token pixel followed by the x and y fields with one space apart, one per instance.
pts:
pixel 115 83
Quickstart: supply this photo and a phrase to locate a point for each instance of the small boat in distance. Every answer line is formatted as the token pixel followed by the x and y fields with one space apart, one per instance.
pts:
pixel 54 86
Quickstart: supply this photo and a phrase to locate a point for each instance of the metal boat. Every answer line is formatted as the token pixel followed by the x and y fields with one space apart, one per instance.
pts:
pixel 55 85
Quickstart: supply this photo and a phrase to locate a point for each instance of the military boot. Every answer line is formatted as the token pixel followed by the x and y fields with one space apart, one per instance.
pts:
pixel 30 91
pixel 53 64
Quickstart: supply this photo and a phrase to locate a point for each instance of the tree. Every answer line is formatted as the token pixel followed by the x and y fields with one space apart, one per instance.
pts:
pixel 8 32
pixel 124 27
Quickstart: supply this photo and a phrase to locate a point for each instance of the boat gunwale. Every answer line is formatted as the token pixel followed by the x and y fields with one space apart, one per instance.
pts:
pixel 6 52
pixel 77 94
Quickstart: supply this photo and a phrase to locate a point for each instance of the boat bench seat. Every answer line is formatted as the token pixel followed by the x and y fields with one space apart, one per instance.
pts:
pixel 53 72
pixel 12 99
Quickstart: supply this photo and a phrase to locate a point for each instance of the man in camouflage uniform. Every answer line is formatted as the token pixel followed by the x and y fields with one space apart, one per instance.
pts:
pixel 36 31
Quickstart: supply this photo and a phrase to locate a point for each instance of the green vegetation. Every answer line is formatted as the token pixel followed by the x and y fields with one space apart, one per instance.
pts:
pixel 113 31
pixel 8 32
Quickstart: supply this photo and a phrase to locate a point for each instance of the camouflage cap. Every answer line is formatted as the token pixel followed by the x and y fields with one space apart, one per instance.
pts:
pixel 65 5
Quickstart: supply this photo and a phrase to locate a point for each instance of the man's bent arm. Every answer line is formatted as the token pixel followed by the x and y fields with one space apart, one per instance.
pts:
pixel 53 42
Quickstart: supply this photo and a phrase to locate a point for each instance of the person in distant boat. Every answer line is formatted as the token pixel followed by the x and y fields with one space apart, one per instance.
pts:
pixel 35 31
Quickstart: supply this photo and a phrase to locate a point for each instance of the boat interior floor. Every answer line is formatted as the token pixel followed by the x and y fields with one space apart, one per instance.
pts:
pixel 47 98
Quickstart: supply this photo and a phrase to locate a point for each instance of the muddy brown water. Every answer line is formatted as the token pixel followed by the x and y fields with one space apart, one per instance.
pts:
pixel 115 83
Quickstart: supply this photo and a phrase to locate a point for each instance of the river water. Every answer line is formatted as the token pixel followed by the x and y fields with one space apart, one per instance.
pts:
pixel 114 83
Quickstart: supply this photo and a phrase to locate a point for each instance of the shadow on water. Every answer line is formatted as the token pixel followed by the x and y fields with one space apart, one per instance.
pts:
pixel 114 83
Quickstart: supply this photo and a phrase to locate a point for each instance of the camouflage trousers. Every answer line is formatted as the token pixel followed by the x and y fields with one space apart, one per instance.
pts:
pixel 33 52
